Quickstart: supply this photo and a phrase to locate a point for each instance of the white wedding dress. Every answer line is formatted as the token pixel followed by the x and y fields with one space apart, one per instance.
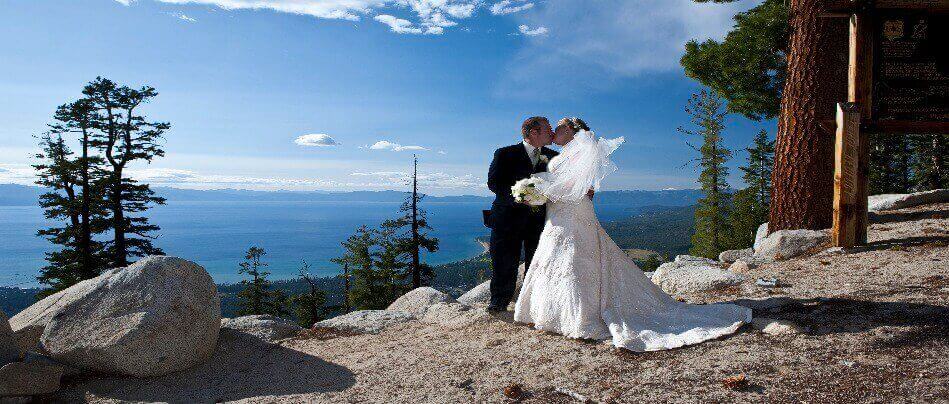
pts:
pixel 582 285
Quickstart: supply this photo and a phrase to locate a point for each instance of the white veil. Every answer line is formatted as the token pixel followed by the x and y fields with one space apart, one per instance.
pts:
pixel 580 166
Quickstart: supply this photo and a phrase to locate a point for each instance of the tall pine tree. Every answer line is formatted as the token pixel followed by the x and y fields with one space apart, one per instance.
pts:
pixel 125 136
pixel 712 213
pixel 257 297
pixel 415 237
pixel 750 205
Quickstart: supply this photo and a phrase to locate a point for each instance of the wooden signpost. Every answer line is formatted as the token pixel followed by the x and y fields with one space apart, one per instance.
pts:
pixel 898 83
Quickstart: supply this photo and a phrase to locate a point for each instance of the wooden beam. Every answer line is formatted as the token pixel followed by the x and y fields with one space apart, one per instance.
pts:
pixel 859 5
pixel 846 152
pixel 860 92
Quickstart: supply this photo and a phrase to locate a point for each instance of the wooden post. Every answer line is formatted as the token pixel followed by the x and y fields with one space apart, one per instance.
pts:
pixel 859 91
pixel 846 151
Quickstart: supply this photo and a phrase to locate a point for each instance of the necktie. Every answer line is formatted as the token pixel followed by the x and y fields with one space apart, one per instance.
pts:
pixel 536 157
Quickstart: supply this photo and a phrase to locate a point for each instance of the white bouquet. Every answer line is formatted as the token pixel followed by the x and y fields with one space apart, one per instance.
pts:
pixel 525 191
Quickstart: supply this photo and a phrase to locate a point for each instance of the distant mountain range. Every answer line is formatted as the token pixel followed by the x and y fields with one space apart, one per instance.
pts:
pixel 23 195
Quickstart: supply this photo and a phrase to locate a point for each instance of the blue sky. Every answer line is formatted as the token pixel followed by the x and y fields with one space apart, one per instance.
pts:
pixel 449 80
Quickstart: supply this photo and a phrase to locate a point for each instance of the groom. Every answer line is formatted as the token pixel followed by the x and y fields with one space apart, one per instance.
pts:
pixel 515 227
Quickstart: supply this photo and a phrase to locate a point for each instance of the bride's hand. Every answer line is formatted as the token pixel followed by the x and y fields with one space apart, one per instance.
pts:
pixel 590 194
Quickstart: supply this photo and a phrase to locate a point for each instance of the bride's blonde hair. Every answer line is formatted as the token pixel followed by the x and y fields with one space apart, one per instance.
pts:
pixel 574 123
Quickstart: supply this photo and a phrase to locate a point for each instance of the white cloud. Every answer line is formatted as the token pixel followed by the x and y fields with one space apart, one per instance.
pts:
pixel 184 17
pixel 602 41
pixel 316 140
pixel 504 7
pixel 22 174
pixel 532 31
pixel 442 152
pixel 398 25
pixel 430 16
pixel 387 145
pixel 439 180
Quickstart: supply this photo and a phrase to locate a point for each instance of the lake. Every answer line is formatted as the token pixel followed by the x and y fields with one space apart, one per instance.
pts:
pixel 216 234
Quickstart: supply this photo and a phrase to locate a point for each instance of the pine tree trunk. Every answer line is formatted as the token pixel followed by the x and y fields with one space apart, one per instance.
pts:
pixel 85 242
pixel 120 255
pixel 816 80
pixel 416 261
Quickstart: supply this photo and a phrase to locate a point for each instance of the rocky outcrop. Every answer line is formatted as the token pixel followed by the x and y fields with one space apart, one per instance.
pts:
pixel 419 300
pixel 157 316
pixel 29 379
pixel 453 315
pixel 366 321
pixel 687 275
pixel 478 296
pixel 730 256
pixel 760 234
pixel 786 244
pixel 266 327
pixel 901 201
pixel 9 349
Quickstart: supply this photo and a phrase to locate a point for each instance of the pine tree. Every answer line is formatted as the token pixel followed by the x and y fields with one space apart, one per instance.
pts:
pixel 256 297
pixel 750 206
pixel 369 288
pixel 124 136
pixel 415 237
pixel 309 306
pixel 75 198
pixel 712 213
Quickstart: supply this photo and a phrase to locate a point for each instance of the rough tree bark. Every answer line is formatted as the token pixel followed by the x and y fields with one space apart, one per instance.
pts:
pixel 802 180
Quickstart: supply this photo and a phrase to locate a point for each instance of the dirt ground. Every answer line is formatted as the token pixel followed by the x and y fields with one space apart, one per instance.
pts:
pixel 877 330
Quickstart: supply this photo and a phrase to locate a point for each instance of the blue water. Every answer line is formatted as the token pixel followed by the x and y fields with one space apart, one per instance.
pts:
pixel 216 234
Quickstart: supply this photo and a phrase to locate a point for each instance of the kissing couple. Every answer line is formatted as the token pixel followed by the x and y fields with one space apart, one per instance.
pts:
pixel 578 282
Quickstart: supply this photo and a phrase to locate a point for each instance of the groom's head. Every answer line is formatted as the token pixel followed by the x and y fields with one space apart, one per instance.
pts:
pixel 537 131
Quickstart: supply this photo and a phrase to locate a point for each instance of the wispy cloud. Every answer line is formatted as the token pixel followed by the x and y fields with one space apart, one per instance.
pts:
pixel 437 180
pixel 387 145
pixel 504 7
pixel 316 140
pixel 603 41
pixel 430 16
pixel 524 29
pixel 21 174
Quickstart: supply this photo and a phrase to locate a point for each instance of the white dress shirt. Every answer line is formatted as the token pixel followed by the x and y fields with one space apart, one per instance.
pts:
pixel 530 152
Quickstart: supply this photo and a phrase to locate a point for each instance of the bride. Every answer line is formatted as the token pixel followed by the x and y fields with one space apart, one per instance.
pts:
pixel 582 285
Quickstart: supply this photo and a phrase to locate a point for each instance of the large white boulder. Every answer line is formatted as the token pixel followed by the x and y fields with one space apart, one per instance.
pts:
pixel 156 316
pixel 366 321
pixel 729 256
pixel 786 244
pixel 266 327
pixel 760 234
pixel 28 324
pixel 687 276
pixel 9 348
pixel 418 300
pixel 900 201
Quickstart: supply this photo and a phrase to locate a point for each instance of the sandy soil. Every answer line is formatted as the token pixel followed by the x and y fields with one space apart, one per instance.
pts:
pixel 877 323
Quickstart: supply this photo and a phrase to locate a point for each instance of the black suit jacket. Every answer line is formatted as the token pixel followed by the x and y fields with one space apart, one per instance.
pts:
pixel 512 164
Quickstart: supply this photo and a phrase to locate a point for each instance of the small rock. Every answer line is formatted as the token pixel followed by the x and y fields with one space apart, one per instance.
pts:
pixel 776 327
pixel 686 277
pixel 786 244
pixel 418 300
pixel 848 364
pixel 741 267
pixel 29 379
pixel 730 256
pixel 366 321
pixel 266 327
pixel 768 283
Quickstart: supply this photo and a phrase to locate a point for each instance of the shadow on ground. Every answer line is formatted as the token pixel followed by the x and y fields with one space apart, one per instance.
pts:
pixel 241 367
pixel 925 323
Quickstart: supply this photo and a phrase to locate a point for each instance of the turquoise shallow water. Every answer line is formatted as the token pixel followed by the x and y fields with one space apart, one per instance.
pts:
pixel 216 234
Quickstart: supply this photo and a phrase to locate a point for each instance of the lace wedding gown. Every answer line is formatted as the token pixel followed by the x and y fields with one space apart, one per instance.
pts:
pixel 582 285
